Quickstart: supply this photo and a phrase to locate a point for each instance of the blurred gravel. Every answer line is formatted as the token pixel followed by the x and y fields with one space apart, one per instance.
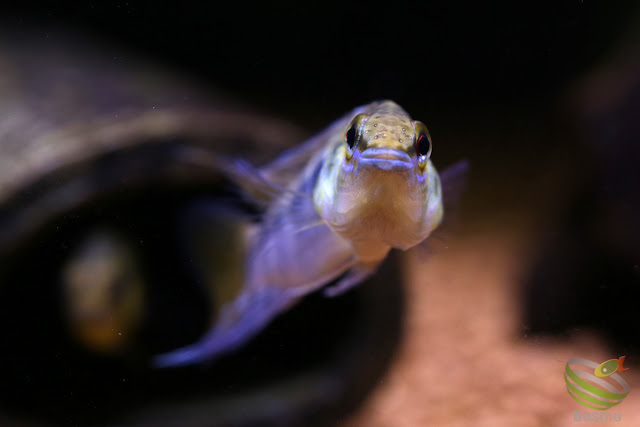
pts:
pixel 464 361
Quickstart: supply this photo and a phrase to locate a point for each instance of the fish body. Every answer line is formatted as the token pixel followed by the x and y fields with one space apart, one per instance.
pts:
pixel 342 200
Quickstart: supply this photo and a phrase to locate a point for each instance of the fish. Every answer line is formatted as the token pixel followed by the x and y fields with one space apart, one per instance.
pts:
pixel 335 206
pixel 610 367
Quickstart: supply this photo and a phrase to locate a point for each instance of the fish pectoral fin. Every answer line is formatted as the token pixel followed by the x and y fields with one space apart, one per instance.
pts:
pixel 350 279
pixel 238 322
pixel 453 181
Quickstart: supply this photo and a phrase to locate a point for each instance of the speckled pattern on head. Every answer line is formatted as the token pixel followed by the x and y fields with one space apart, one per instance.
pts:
pixel 389 126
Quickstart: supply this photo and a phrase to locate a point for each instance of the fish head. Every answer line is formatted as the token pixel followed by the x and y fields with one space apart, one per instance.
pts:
pixel 387 138
pixel 379 184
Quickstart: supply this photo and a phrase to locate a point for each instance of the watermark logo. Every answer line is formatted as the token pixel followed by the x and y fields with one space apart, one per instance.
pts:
pixel 596 386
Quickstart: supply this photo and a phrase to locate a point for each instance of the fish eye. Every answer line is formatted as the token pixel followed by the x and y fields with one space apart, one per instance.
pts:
pixel 423 142
pixel 352 132
pixel 351 135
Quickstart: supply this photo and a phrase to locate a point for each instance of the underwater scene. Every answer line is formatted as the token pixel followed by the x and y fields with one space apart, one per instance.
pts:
pixel 301 214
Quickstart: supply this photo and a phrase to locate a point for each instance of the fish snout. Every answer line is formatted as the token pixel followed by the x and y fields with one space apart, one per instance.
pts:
pixel 386 153
pixel 387 158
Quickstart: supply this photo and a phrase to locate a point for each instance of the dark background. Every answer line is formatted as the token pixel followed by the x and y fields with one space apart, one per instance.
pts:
pixel 315 59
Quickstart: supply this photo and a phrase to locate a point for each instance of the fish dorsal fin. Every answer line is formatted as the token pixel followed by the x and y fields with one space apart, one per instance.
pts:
pixel 250 180
pixel 265 184
pixel 288 166
pixel 254 185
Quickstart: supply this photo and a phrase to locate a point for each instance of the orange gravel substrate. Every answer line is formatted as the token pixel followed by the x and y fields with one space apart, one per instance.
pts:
pixel 464 361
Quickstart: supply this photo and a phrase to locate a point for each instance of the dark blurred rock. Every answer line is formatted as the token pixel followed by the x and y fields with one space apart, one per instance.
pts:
pixel 88 141
pixel 587 273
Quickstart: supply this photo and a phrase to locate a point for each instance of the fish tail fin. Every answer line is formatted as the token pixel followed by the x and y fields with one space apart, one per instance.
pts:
pixel 238 323
pixel 620 362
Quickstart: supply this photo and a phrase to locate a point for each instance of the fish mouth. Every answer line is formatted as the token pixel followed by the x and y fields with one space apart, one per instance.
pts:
pixel 387 158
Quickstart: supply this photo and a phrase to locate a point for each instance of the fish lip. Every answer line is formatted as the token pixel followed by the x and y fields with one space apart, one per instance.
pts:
pixel 387 159
pixel 386 153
